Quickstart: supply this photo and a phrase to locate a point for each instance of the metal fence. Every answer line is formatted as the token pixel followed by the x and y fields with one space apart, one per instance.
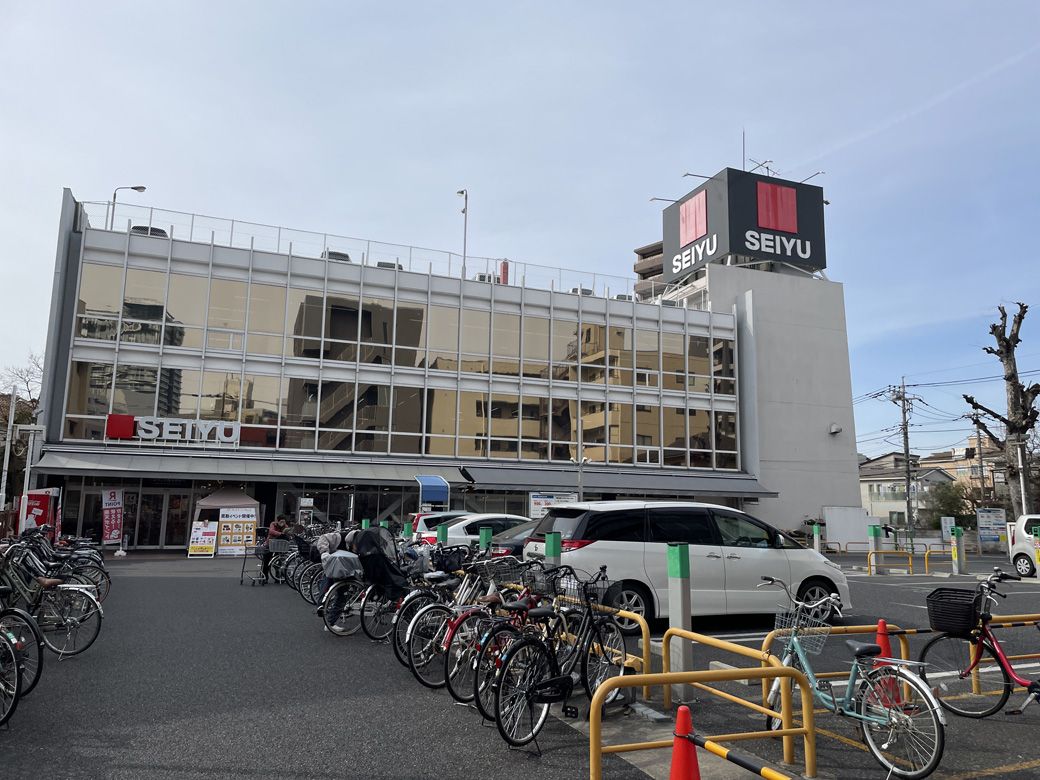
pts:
pixel 184 226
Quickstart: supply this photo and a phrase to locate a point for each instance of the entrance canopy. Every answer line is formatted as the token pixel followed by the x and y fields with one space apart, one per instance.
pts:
pixel 433 489
pixel 228 498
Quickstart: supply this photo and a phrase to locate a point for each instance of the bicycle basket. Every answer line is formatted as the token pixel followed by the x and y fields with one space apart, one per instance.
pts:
pixel 812 633
pixel 279 545
pixel 536 581
pixel 953 610
pixel 449 559
pixel 580 588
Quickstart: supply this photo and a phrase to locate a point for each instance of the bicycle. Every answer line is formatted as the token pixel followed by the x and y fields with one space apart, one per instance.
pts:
pixel 901 721
pixel 967 668
pixel 537 671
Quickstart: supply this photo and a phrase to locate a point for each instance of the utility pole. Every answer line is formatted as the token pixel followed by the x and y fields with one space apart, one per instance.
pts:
pixel 898 396
pixel 12 405
pixel 982 467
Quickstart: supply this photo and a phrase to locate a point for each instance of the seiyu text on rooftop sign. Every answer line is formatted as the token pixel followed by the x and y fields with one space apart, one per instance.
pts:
pixel 745 214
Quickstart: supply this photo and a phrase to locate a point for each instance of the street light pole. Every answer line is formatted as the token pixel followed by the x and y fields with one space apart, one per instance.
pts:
pixel 465 225
pixel 112 216
pixel 581 461
pixel 9 442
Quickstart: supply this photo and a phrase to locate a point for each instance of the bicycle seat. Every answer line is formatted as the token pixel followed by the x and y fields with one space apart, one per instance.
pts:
pixel 449 584
pixel 863 649
pixel 436 576
pixel 540 613
pixel 516 606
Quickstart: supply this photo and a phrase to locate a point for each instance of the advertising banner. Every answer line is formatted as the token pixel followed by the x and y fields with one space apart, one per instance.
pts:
pixel 237 531
pixel 540 503
pixel 203 540
pixel 992 529
pixel 40 506
pixel 111 515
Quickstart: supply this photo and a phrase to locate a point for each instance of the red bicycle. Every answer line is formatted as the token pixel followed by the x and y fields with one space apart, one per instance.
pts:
pixel 965 665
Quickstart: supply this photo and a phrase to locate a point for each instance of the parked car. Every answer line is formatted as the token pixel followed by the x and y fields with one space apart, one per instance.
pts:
pixel 467 529
pixel 730 552
pixel 511 541
pixel 1023 553
pixel 425 523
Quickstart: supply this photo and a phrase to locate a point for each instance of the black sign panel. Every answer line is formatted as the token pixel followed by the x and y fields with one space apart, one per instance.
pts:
pixel 745 214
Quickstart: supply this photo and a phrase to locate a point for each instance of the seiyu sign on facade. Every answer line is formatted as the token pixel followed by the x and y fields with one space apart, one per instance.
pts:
pixel 169 430
pixel 745 214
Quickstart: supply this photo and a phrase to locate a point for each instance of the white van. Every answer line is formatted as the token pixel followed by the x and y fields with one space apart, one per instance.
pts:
pixel 1023 554
pixel 730 552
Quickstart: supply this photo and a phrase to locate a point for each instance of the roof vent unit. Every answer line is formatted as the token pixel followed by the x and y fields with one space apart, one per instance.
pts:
pixel 332 254
pixel 581 291
pixel 488 278
pixel 622 297
pixel 388 264
pixel 669 302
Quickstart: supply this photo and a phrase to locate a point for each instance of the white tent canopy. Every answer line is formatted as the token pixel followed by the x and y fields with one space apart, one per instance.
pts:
pixel 227 498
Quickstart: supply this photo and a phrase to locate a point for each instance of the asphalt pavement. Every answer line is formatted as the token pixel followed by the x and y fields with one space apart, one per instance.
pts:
pixel 197 678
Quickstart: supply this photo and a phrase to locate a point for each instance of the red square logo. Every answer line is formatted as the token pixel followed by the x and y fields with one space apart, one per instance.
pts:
pixel 693 218
pixel 119 426
pixel 777 207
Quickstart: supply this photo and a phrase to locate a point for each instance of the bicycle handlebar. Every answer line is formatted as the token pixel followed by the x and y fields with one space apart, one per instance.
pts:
pixel 834 599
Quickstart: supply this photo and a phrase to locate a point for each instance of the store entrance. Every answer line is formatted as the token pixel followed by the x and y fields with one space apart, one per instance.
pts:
pixel 163 519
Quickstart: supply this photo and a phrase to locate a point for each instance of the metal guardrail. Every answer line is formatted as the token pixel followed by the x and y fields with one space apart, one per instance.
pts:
pixel 699 679
pixel 929 553
pixel 873 553
pixel 186 226
pixel 789 731
pixel 848 545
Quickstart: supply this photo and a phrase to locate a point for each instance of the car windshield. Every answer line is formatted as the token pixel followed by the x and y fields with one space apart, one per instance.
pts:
pixel 562 519
pixel 518 531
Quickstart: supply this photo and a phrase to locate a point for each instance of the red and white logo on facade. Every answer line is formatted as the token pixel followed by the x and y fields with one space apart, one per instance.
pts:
pixel 126 426
pixel 693 218
pixel 777 207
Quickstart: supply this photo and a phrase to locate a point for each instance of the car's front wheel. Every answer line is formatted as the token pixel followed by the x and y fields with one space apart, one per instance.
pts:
pixel 631 597
pixel 814 590
pixel 1024 566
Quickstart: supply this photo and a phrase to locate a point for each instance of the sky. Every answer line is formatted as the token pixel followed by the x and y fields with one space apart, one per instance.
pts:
pixel 562 120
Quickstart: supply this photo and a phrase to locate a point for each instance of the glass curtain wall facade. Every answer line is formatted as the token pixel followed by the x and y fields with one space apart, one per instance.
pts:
pixel 325 356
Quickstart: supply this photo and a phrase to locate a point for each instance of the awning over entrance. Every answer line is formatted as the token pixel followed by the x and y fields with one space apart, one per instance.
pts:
pixel 679 484
pixel 229 467
pixel 433 489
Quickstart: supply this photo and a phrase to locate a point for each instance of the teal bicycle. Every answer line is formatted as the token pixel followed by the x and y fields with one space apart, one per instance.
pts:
pixel 901 721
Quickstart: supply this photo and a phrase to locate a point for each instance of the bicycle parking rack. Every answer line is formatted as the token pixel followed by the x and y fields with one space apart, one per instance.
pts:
pixel 848 545
pixel 873 553
pixel 698 679
pixel 929 553
pixel 767 661
pixel 832 547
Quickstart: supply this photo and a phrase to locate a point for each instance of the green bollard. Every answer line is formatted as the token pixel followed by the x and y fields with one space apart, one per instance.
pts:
pixel 384 523
pixel 485 538
pixel 816 538
pixel 442 533
pixel 406 531
pixel 553 548
pixel 958 559
pixel 366 523
pixel 680 610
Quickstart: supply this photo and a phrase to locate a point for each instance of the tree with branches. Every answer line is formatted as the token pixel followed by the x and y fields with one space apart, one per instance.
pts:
pixel 1020 420
pixel 26 380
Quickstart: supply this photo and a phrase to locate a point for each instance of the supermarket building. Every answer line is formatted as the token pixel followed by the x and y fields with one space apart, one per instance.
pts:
pixel 186 352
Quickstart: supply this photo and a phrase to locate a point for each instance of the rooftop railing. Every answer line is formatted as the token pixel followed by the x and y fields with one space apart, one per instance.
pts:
pixel 184 226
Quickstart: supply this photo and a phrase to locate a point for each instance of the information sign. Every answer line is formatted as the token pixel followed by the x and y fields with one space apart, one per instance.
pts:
pixel 112 516
pixel 237 530
pixel 203 540
pixel 540 502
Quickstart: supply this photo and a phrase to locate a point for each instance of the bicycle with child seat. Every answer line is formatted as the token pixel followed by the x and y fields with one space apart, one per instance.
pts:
pixel 967 668
pixel 901 721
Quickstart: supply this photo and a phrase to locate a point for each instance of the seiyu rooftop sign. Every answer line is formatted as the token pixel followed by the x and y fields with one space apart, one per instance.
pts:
pixel 745 214
pixel 126 426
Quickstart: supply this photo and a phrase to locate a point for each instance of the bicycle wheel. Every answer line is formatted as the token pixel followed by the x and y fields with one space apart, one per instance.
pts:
pixel 493 647
pixel 518 714
pixel 905 734
pixel 291 569
pixel 982 693
pixel 604 657
pixel 377 614
pixel 460 658
pixel 69 620
pixel 29 644
pixel 402 619
pixel 773 699
pixel 277 569
pixel 349 593
pixel 10 679
pixel 99 578
pixel 317 589
pixel 426 636
pixel 314 572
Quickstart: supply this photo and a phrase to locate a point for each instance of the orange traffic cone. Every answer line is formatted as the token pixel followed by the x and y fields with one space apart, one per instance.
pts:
pixel 684 752
pixel 882 640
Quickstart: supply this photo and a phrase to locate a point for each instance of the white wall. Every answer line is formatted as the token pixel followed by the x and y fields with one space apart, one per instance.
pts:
pixel 794 383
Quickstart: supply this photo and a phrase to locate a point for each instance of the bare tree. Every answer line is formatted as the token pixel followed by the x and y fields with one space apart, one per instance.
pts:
pixel 1021 415
pixel 27 380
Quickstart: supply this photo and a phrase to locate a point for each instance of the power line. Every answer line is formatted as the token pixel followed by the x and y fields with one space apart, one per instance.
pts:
pixel 949 382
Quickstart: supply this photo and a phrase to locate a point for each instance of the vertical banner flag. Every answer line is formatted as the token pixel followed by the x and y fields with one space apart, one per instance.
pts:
pixel 112 516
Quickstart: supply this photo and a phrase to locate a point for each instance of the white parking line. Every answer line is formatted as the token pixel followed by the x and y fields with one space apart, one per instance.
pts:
pixel 913 606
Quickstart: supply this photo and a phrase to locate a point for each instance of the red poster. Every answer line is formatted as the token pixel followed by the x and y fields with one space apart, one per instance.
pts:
pixel 112 516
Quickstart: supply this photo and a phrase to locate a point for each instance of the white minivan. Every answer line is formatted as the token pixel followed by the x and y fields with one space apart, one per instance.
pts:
pixel 1023 553
pixel 730 552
